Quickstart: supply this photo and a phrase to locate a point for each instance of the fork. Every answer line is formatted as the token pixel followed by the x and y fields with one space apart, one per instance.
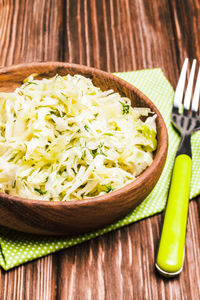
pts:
pixel 186 120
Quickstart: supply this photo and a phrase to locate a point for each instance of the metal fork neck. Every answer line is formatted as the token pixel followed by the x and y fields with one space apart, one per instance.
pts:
pixel 185 146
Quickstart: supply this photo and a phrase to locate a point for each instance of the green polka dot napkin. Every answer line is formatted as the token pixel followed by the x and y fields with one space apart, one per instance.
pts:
pixel 17 248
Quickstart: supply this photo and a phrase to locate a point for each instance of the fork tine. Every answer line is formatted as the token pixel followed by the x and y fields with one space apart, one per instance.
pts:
pixel 195 100
pixel 188 93
pixel 180 86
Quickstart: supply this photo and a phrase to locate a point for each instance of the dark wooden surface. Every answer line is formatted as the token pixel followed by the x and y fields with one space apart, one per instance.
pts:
pixel 114 35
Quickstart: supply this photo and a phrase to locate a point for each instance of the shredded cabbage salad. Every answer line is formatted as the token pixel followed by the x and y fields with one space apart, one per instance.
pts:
pixel 65 139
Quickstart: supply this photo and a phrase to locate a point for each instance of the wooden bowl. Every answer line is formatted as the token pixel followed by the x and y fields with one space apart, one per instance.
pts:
pixel 74 217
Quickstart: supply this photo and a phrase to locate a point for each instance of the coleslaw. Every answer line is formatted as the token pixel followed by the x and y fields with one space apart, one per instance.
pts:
pixel 65 139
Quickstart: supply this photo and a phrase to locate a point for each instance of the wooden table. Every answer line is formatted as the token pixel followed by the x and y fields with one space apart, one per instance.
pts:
pixel 113 35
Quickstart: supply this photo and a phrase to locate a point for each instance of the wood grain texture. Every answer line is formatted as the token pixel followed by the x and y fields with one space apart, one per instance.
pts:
pixel 115 35
pixel 30 31
pixel 121 35
pixel 35 280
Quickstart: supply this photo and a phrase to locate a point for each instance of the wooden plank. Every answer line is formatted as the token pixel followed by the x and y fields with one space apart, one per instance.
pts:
pixel 35 280
pixel 118 35
pixel 186 24
pixel 30 31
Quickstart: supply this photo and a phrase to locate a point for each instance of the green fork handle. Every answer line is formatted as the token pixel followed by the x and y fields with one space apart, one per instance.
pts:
pixel 172 243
